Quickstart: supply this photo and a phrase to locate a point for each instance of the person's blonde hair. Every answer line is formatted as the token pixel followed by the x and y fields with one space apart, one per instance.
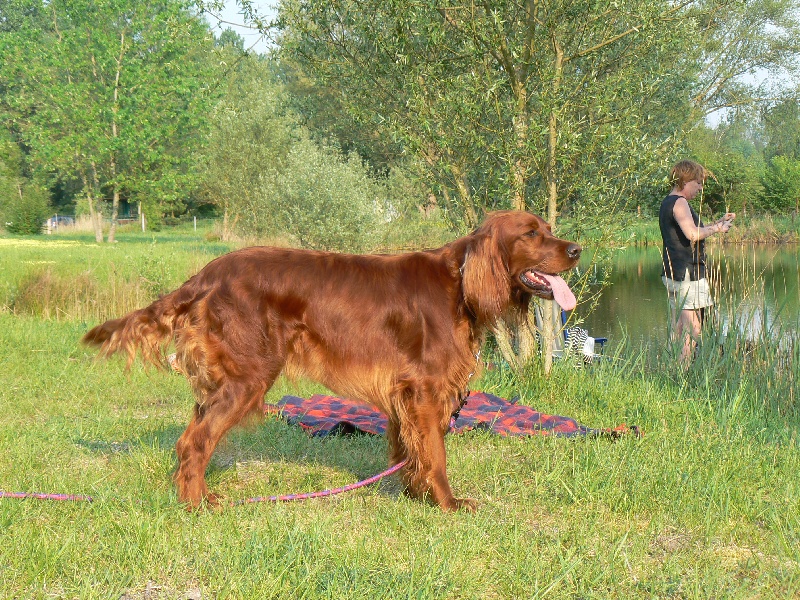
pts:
pixel 686 171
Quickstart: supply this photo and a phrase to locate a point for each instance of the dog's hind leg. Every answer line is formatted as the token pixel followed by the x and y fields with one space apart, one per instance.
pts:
pixel 226 406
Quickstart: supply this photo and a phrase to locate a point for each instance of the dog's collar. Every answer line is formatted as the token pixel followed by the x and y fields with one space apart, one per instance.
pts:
pixel 462 396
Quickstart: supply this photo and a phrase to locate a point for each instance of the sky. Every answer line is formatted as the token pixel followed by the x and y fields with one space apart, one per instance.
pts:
pixel 230 17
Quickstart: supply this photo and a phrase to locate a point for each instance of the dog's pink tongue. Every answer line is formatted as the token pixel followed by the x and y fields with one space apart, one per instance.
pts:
pixel 561 292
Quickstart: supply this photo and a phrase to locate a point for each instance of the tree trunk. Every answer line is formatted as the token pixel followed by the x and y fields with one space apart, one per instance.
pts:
pixel 519 177
pixel 470 216
pixel 115 134
pixel 548 324
pixel 114 210
pixel 503 338
pixel 519 182
pixel 94 212
pixel 98 232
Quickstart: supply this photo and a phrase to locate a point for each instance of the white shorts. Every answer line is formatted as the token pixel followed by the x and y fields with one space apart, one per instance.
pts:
pixel 688 294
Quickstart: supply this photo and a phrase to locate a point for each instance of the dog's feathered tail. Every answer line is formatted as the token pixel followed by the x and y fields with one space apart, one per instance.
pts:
pixel 146 331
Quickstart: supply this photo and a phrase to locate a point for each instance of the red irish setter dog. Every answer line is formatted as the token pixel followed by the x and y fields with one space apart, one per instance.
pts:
pixel 401 332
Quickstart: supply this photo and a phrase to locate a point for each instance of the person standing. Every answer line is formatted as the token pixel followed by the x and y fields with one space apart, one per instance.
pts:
pixel 684 256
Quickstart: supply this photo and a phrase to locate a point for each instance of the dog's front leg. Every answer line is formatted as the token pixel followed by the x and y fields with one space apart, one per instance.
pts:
pixel 426 473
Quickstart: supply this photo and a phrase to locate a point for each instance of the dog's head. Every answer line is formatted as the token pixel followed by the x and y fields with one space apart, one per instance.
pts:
pixel 511 257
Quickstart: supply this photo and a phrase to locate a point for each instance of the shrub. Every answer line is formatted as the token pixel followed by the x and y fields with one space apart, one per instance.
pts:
pixel 781 181
pixel 320 199
pixel 27 213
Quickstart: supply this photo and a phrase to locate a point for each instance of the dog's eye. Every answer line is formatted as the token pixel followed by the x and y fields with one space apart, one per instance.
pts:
pixel 531 234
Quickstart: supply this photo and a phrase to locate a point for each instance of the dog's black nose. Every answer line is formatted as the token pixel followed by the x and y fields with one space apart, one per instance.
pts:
pixel 574 251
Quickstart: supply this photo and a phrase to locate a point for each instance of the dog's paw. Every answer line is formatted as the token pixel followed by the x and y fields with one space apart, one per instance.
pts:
pixel 466 504
pixel 205 502
pixel 213 500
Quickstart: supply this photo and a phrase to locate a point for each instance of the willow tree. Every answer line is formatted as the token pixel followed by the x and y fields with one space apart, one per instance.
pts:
pixel 111 93
pixel 557 106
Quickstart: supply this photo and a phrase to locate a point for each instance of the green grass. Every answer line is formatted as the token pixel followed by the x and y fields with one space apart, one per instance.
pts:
pixel 72 277
pixel 705 505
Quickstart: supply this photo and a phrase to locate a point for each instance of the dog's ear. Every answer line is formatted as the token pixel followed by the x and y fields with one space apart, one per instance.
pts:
pixel 487 286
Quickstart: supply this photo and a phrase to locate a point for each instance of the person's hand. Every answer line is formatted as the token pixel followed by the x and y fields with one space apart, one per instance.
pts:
pixel 724 224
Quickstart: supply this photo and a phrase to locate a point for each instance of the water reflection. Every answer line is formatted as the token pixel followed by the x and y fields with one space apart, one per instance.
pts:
pixel 756 289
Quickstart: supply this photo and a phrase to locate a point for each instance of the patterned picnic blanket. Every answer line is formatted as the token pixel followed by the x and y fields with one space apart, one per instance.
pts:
pixel 326 415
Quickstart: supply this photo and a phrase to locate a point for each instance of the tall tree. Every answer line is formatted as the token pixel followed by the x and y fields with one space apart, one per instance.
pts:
pixel 509 104
pixel 781 125
pixel 781 177
pixel 562 106
pixel 112 93
pixel 746 51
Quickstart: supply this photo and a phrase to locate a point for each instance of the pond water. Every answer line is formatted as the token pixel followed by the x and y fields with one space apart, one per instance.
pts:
pixel 756 289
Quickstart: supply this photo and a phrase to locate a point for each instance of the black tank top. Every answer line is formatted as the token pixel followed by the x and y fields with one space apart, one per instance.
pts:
pixel 679 253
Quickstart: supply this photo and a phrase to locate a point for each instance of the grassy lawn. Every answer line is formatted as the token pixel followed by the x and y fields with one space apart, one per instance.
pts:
pixel 705 505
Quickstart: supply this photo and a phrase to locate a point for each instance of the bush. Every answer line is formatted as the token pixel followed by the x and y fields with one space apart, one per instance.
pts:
pixel 319 199
pixel 781 181
pixel 27 214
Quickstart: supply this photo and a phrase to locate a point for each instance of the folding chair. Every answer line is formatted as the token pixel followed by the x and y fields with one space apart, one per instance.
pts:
pixel 590 344
pixel 573 341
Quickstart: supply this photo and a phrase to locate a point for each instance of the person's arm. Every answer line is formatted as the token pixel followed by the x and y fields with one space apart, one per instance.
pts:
pixel 683 215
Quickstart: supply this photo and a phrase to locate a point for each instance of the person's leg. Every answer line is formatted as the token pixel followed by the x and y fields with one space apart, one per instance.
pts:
pixel 688 329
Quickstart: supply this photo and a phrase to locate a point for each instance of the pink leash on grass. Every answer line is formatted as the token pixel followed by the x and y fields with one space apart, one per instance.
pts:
pixel 323 493
pixel 38 496
pixel 285 498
